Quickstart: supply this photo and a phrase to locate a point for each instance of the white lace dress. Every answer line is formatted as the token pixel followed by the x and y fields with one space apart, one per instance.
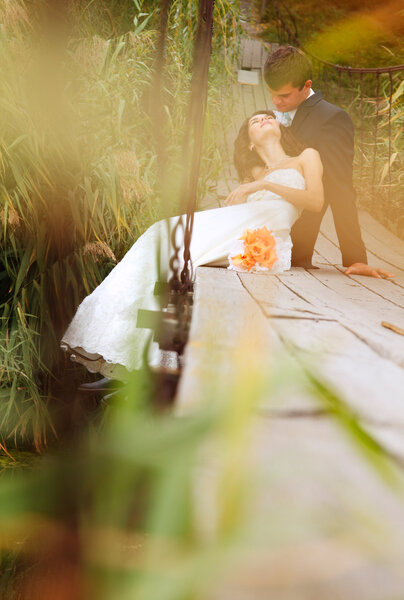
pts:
pixel 103 334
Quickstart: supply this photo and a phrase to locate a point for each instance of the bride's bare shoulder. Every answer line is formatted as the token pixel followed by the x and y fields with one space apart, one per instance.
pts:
pixel 309 154
pixel 310 158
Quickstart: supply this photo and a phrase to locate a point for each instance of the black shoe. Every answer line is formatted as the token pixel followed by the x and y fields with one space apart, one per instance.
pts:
pixel 102 385
pixel 304 265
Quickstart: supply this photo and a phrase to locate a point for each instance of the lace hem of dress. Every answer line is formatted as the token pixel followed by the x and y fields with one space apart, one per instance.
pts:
pixel 95 363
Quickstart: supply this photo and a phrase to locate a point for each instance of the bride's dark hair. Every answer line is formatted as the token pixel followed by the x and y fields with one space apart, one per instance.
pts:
pixel 245 159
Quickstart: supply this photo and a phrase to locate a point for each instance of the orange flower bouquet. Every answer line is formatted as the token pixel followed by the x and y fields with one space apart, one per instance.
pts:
pixel 256 251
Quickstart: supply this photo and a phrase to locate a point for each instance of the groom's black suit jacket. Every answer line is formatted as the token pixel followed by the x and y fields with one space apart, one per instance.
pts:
pixel 328 129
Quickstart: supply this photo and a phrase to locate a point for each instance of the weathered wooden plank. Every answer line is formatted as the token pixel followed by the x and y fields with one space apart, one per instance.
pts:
pixel 248 102
pixel 265 93
pixel 344 536
pixel 352 305
pixel 259 97
pixel 390 290
pixel 322 524
pixel 238 111
pixel 328 251
pixel 218 193
pixel 244 53
pixel 370 384
pixel 298 460
pixel 255 97
pixel 318 259
pixel 248 77
pixel 390 252
pixel 386 238
pixel 227 136
pixel 354 291
pixel 226 305
pixel 362 377
pixel 254 104
pixel 253 54
pixel 243 101
pixel 247 48
pixel 264 54
pixel 390 437
pixel 328 231
pixel 277 299
pixel 257 55
pixel 213 334
pixel 224 317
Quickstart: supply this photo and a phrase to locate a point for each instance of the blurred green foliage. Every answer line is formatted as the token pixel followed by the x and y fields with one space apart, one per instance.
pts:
pixel 161 505
pixel 78 172
pixel 358 34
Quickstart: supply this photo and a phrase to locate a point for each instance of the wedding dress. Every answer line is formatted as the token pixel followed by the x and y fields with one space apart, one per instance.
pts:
pixel 103 334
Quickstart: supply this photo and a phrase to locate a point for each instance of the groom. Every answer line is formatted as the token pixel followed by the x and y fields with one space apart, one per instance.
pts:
pixel 328 129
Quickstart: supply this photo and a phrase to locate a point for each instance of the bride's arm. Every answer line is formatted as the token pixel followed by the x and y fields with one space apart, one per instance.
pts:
pixel 312 198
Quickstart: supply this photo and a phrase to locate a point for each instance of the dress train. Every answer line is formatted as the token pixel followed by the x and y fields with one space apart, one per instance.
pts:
pixel 103 334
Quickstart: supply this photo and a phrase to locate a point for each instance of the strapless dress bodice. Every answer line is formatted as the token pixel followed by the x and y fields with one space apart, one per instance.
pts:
pixel 287 177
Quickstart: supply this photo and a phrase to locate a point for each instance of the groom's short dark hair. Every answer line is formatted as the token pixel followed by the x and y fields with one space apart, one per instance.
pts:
pixel 286 65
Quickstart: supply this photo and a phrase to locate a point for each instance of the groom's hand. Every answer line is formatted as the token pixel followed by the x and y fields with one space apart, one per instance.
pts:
pixel 363 269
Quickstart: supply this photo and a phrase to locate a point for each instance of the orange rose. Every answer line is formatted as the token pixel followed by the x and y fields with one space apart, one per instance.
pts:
pixel 259 249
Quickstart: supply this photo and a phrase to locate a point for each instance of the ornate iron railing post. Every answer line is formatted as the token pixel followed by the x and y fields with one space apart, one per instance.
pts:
pixel 180 277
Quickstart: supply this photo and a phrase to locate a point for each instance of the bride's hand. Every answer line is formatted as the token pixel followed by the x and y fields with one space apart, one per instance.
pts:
pixel 239 195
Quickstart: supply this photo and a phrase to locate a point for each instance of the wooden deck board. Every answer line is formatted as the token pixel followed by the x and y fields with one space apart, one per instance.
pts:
pixel 265 101
pixel 390 246
pixel 299 456
pixel 338 350
pixel 342 360
pixel 391 290
pixel 389 253
pixel 342 536
pixel 328 528
pixel 248 101
pixel 246 53
pixel 356 308
pixel 325 320
pixel 253 54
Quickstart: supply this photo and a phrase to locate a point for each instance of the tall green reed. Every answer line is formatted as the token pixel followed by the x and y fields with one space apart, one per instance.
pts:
pixel 79 176
pixel 380 156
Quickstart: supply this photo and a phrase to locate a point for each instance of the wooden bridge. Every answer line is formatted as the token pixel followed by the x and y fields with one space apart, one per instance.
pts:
pixel 328 351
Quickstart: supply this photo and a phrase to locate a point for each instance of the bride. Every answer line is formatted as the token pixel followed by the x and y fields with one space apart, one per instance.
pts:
pixel 280 179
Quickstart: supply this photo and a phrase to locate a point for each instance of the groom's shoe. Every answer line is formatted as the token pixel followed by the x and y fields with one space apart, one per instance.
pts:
pixel 304 264
pixel 102 385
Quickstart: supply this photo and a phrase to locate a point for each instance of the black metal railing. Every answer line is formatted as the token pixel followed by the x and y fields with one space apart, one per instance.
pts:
pixel 172 325
pixel 369 96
